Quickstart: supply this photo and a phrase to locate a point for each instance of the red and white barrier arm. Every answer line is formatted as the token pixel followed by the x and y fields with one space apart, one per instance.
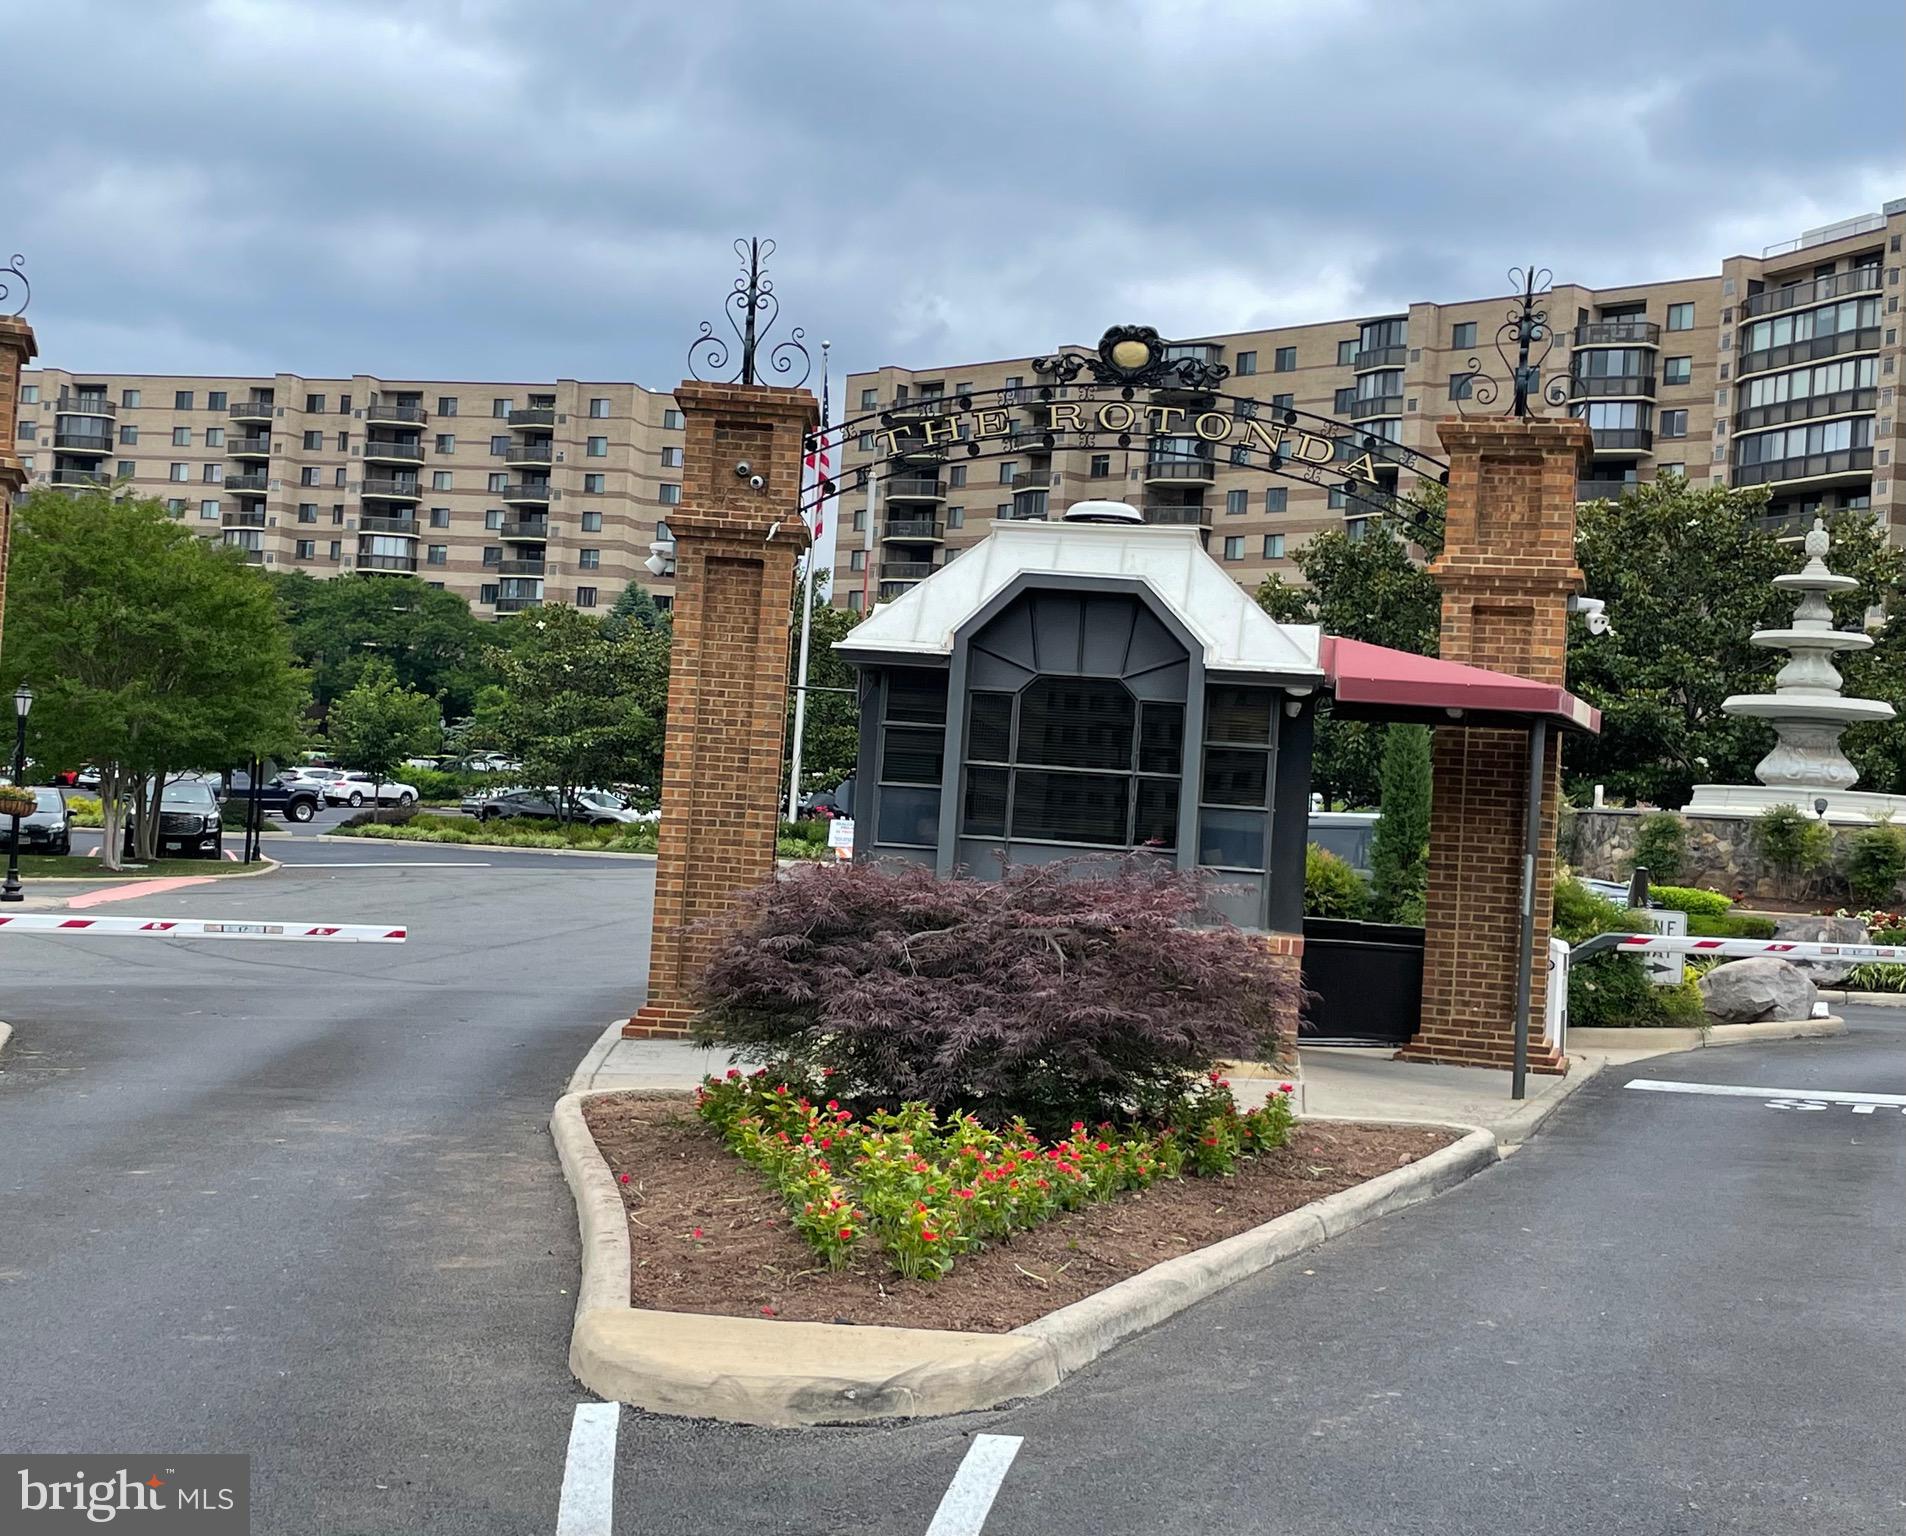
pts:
pixel 199 928
pixel 1799 950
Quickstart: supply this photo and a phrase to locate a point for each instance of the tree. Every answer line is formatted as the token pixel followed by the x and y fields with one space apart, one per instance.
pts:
pixel 428 637
pixel 575 713
pixel 636 609
pixel 378 724
pixel 1399 850
pixel 150 651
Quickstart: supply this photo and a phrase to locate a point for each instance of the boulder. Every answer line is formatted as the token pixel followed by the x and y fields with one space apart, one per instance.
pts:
pixel 1823 930
pixel 1748 991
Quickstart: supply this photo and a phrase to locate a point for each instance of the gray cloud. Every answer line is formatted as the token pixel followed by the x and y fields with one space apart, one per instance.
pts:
pixel 488 189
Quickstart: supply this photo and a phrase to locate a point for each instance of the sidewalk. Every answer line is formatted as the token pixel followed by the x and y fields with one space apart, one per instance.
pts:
pixel 1334 1083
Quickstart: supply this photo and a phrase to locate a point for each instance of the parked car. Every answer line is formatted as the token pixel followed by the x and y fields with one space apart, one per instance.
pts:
pixel 593 807
pixel 830 804
pixel 48 830
pixel 190 826
pixel 356 789
pixel 288 794
pixel 1348 834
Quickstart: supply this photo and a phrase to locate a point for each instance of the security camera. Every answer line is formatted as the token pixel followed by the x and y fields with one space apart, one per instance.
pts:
pixel 757 482
pixel 743 469
pixel 1593 612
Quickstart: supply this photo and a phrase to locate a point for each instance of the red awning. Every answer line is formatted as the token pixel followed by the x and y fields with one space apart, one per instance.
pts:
pixel 1373 682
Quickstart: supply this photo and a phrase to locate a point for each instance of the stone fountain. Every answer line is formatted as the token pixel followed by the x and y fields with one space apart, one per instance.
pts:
pixel 1806 768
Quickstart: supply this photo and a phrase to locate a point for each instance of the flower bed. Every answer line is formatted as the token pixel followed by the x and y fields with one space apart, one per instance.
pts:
pixel 709 1234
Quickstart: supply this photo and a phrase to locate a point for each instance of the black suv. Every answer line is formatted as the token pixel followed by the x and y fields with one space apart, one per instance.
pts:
pixel 285 795
pixel 190 826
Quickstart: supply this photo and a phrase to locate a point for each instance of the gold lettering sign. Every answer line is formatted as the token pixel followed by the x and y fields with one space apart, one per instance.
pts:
pixel 1212 434
pixel 1068 413
pixel 1308 440
pixel 1106 422
pixel 990 423
pixel 1361 469
pixel 893 436
pixel 1270 437
pixel 945 430
pixel 1161 416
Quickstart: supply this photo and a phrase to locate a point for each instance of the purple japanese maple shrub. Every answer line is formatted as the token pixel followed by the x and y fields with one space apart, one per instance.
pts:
pixel 1053 993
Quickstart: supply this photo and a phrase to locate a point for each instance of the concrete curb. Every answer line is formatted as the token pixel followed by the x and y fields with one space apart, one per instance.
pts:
pixel 430 842
pixel 1865 999
pixel 745 1370
pixel 6 1034
pixel 265 867
pixel 1661 1042
pixel 593 1058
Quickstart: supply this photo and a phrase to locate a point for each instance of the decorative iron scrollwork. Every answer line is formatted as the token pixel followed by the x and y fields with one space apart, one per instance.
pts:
pixel 13 275
pixel 1135 356
pixel 750 309
pixel 1526 327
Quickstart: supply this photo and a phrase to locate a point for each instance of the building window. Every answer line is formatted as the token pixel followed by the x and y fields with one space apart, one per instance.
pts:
pixel 592 522
pixel 589 559
pixel 307 549
pixel 181 437
pixel 29 394
pixel 129 399
pixel 127 469
pixel 181 472
pixel 1677 370
pixel 598 448
pixel 492 554
pixel 1247 363
pixel 499 446
pixel 1008 471
pixel 337 514
pixel 671 458
pixel 500 409
pixel 1345 398
pixel 437 554
pixel 669 495
pixel 1346 352
pixel 1283 402
pixel 598 407
pixel 1674 423
pixel 337 549
pixel 1463 335
pixel 314 442
pixel 308 475
pixel 860 520
pixel 25 430
pixel 214 437
pixel 307 511
pixel 439 517
pixel 208 511
pixel 1459 385
pixel 314 405
pixel 1285 359
pixel 1236 503
pixel 182 400
pixel 1273 546
pixel 175 505
pixel 1671 469
pixel 585 597
pixel 956 517
pixel 1276 498
pixel 492 520
pixel 869 399
pixel 1101 466
pixel 856 559
pixel 1680 317
pixel 1234 547
pixel 344 405
pixel 446 442
pixel 865 442
pixel 440 479
pixel 499 482
pixel 672 420
pixel 592 485
pixel 446 405
pixel 854 600
pixel 487 592
pixel 955 476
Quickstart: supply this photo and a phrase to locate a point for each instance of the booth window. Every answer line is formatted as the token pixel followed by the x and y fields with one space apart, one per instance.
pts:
pixel 912 750
pixel 1234 799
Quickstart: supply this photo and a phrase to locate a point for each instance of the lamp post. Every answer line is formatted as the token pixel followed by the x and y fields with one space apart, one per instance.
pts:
pixel 22 702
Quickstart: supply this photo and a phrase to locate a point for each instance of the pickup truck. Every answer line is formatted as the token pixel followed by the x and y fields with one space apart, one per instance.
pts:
pixel 287 795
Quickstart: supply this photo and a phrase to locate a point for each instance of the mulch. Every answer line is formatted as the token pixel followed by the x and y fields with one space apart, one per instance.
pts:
pixel 750 1262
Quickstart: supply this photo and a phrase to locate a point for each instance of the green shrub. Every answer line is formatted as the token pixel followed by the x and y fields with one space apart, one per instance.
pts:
pixel 1876 863
pixel 1399 850
pixel 1578 913
pixel 1331 887
pixel 1798 846
pixel 1876 976
pixel 1661 845
pixel 84 811
pixel 514 832
pixel 1729 925
pixel 1689 899
pixel 814 832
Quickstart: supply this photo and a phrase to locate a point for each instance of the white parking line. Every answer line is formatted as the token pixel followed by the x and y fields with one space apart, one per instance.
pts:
pixel 384 864
pixel 588 1500
pixel 1732 1091
pixel 963 1511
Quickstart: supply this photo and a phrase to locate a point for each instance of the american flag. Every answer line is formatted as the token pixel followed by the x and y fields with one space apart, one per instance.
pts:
pixel 819 464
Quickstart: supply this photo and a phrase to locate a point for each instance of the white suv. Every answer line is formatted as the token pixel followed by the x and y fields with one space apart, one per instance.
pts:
pixel 356 789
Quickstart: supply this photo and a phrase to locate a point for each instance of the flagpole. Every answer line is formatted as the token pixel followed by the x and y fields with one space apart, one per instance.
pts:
pixel 807 620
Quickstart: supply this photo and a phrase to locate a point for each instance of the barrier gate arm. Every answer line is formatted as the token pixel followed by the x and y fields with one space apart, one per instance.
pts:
pixel 1733 949
pixel 201 928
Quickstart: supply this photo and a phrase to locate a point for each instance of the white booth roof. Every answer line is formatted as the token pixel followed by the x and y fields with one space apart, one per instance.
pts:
pixel 1236 634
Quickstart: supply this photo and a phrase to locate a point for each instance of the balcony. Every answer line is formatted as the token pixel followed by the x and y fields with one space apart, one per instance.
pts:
pixel 1624 439
pixel 540 452
pixel 913 530
pixel 254 556
pixel 517 604
pixel 406 415
pixel 1843 402
pixel 1373 358
pixel 521 567
pixel 1617 333
pixel 925 406
pixel 79 479
pixel 525 528
pixel 533 417
pixel 249 447
pixel 252 517
pixel 392 488
pixel 1864 340
pixel 1603 490
pixel 1846 463
pixel 1176 514
pixel 379 451
pixel 378 522
pixel 1611 386
pixel 894 587
pixel 81 442
pixel 527 493
pixel 1816 290
pixel 386 562
pixel 1192 470
pixel 253 484
pixel 908 571
pixel 252 410
pixel 912 488
pixel 86 405
pixel 1030 438
pixel 1376 405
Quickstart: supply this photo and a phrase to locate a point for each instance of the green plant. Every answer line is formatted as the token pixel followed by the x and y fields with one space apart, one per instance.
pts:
pixel 1876 863
pixel 379 723
pixel 1331 887
pixel 1795 844
pixel 1661 845
pixel 1399 850
pixel 1689 899
pixel 1577 913
pixel 1876 976
pixel 15 801
pixel 1729 925
pixel 84 811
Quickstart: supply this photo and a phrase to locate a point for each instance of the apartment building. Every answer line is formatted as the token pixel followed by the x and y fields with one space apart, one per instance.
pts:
pixel 509 494
pixel 1779 370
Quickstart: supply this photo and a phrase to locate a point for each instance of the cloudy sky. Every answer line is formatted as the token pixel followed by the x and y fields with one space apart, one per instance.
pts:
pixel 526 189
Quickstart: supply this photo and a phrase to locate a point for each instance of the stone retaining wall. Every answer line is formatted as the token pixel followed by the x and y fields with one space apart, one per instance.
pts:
pixel 1721 854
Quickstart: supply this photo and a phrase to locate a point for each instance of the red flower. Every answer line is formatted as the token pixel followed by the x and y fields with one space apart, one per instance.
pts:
pixel 782 1089
pixel 697 1232
pixel 1211 1141
pixel 625 1178
pixel 1100 1146
pixel 846 1234
pixel 1224 1082
pixel 833 1103
pixel 1213 1076
pixel 928 1237
pixel 734 1071
pixel 807 1137
pixel 1078 1125
pixel 965 1194
pixel 767 1311
pixel 1285 1088
pixel 826 1142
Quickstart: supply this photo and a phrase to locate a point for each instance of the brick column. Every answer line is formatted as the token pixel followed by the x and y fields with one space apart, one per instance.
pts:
pixel 16 351
pixel 1506 572
pixel 735 553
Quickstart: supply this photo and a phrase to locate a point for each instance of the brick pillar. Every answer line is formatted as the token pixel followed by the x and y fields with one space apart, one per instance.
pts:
pixel 1506 572
pixel 728 675
pixel 16 351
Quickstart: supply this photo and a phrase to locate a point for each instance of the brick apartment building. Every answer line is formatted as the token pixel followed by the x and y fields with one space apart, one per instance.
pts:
pixel 1779 370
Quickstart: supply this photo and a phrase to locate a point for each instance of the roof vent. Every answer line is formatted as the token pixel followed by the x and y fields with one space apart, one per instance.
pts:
pixel 1102 512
